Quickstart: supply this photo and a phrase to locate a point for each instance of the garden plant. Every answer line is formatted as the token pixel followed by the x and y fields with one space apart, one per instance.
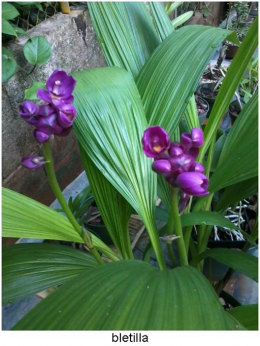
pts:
pixel 135 146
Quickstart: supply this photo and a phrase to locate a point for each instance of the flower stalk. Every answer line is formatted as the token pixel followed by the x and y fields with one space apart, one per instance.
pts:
pixel 58 194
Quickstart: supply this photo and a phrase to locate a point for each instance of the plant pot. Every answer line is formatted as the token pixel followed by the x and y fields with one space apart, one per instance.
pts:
pixel 231 51
pixel 203 114
pixel 234 110
pixel 206 91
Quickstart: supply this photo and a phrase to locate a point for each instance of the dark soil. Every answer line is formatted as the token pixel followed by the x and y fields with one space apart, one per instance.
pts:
pixel 210 94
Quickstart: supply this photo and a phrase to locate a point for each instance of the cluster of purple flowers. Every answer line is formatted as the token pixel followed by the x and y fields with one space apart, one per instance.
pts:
pixel 178 165
pixel 54 118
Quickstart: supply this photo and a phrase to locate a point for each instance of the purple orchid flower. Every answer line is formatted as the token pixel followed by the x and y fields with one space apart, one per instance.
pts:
pixel 155 141
pixel 181 163
pixel 193 183
pixel 28 110
pixel 193 140
pixel 66 115
pixel 176 149
pixel 33 162
pixel 40 136
pixel 59 87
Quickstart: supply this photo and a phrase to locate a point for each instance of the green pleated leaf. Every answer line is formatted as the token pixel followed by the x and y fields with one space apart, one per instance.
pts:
pixel 198 218
pixel 125 32
pixel 237 192
pixel 182 19
pixel 171 6
pixel 161 20
pixel 169 78
pixel 239 157
pixel 131 295
pixel 114 209
pixel 240 261
pixel 31 268
pixel 109 126
pixel 191 114
pixel 230 83
pixel 247 315
pixel 22 217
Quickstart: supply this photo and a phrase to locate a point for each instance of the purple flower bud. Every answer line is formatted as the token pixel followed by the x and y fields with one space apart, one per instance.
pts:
pixel 59 87
pixel 33 162
pixel 161 166
pixel 66 115
pixel 186 140
pixel 193 183
pixel 171 179
pixel 197 167
pixel 176 149
pixel 28 110
pixel 46 110
pixel 155 141
pixel 194 152
pixel 197 137
pixel 181 163
pixel 40 136
pixel 49 125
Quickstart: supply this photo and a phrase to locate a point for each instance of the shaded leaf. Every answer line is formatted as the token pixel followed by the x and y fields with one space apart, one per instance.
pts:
pixel 9 64
pixel 240 261
pixel 30 93
pixel 131 295
pixel 161 20
pixel 7 28
pixel 30 268
pixel 182 19
pixel 247 315
pixel 37 50
pixel 9 11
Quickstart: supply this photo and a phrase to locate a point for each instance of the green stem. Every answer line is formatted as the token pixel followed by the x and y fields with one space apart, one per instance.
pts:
pixel 27 74
pixel 58 194
pixel 174 215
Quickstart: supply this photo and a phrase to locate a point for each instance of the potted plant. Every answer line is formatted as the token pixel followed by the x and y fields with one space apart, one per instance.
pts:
pixel 129 146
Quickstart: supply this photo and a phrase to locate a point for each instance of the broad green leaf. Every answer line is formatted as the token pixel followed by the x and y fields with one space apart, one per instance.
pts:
pixel 240 261
pixel 237 192
pixel 161 20
pixel 30 268
pixel 131 295
pixel 198 218
pixel 109 126
pixel 239 157
pixel 30 93
pixel 9 11
pixel 125 32
pixel 181 19
pixel 247 315
pixel 169 78
pixel 114 209
pixel 22 217
pixel 9 64
pixel 37 50
pixel 7 28
pixel 230 83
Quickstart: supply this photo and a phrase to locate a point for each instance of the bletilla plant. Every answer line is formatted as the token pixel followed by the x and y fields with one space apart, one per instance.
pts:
pixel 129 126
